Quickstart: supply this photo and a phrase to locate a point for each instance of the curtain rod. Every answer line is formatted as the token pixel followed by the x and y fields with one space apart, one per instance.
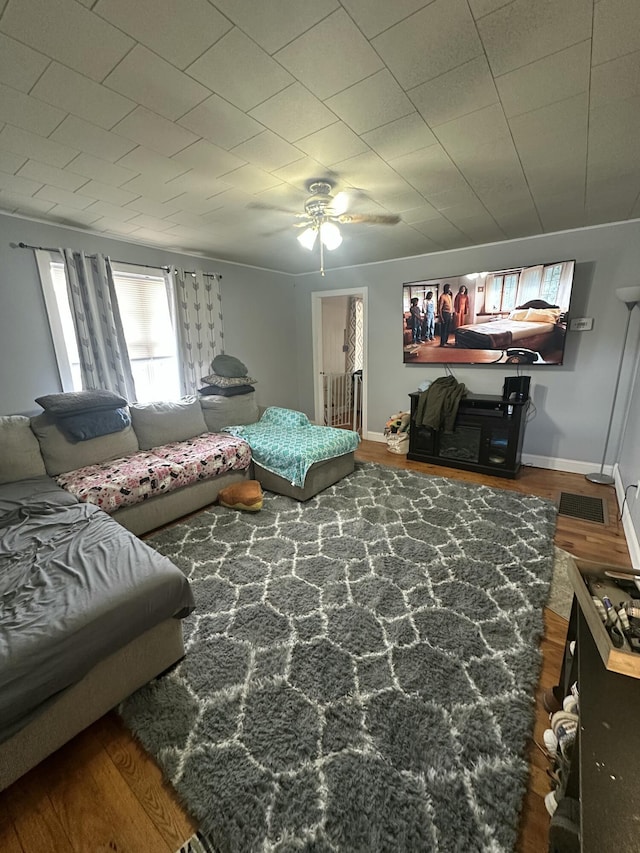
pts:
pixel 147 266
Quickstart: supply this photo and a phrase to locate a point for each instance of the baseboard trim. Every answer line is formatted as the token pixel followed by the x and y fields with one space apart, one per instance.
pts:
pixel 572 466
pixel 627 524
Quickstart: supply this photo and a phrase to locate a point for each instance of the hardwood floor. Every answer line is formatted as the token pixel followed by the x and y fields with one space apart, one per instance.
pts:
pixel 101 793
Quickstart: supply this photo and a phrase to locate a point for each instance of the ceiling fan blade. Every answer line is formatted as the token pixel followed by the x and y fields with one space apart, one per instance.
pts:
pixel 374 218
pixel 340 203
pixel 258 205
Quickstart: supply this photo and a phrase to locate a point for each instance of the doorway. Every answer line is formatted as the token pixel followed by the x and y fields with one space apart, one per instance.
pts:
pixel 339 328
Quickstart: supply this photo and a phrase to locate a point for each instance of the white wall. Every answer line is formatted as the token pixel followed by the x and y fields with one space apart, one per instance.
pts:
pixel 257 307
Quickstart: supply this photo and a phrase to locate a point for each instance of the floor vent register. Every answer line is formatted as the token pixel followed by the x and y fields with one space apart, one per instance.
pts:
pixel 583 507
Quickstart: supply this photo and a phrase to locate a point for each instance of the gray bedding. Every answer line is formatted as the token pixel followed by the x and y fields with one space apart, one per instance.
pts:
pixel 74 587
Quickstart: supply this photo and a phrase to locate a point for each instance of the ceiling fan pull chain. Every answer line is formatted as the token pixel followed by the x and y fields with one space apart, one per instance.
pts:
pixel 321 252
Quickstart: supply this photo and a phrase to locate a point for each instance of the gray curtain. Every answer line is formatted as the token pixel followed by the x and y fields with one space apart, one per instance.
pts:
pixel 197 315
pixel 104 360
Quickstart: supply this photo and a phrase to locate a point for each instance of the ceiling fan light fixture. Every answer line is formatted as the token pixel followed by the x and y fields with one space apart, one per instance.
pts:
pixel 308 238
pixel 330 235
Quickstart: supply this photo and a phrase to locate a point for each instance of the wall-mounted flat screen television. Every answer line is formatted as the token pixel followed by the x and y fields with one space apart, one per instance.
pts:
pixel 510 316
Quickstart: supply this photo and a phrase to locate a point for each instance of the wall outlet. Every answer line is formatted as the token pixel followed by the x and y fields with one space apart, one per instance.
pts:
pixel 581 324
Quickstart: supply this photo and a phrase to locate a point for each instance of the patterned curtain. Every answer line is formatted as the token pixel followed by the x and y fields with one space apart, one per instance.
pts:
pixel 197 314
pixel 104 360
pixel 355 334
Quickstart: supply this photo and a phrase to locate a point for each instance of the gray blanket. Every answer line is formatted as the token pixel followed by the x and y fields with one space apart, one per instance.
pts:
pixel 75 586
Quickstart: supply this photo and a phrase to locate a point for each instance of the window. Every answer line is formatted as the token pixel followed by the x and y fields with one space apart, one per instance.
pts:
pixel 502 293
pixel 551 283
pixel 144 306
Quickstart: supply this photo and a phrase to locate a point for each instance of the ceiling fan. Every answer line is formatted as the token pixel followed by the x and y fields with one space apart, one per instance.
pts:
pixel 323 213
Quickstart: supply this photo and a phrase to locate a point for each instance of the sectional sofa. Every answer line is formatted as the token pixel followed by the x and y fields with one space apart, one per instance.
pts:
pixel 88 612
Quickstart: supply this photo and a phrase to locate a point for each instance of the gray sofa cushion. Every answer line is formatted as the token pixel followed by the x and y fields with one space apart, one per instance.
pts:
pixel 62 455
pixel 20 458
pixel 160 423
pixel 221 412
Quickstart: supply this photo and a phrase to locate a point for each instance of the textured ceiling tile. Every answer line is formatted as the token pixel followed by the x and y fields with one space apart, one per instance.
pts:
pixel 333 143
pixel 156 208
pixel 480 8
pixel 268 151
pixel 561 211
pixel 374 16
pixel 46 174
pixel 153 131
pixel 523 223
pixel 28 113
pixel 522 31
pixel 21 186
pixel 177 30
pixel 197 183
pixel 151 164
pixel 347 56
pixel 31 145
pixel 91 139
pixel 462 134
pixel 368 171
pixel 101 170
pixel 302 171
pixel 436 39
pixel 615 80
pixel 293 113
pixel 272 25
pixel 151 222
pixel 11 163
pixel 220 122
pixel 455 93
pixel 553 78
pixel 66 31
pixel 59 196
pixel 240 71
pixel 614 129
pixel 429 170
pixel 616 29
pixel 440 230
pixel 16 203
pixel 111 211
pixel 69 215
pixel 20 66
pixel 400 136
pixel 250 179
pixel 208 158
pixel 77 94
pixel 371 103
pixel 154 83
pixel 104 192
pixel 150 187
pixel 113 227
pixel 420 213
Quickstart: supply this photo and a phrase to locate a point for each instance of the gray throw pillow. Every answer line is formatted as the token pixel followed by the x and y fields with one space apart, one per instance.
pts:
pixel 228 365
pixel 160 423
pixel 79 401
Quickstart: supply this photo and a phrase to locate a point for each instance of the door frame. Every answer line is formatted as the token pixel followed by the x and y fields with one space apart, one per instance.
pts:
pixel 316 334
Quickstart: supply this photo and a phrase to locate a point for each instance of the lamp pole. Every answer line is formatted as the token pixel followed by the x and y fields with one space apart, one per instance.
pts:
pixel 598 476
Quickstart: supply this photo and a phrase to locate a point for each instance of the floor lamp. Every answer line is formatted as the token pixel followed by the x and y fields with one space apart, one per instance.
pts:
pixel 631 297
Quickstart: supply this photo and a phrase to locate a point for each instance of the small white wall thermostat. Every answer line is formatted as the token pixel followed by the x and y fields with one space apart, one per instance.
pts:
pixel 581 324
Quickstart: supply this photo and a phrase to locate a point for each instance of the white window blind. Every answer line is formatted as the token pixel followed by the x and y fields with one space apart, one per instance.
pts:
pixel 145 315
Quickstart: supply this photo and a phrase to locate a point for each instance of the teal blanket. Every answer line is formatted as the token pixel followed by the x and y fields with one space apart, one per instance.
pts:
pixel 286 443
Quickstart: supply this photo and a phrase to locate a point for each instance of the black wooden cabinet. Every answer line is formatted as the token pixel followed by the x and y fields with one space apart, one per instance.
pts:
pixel 487 437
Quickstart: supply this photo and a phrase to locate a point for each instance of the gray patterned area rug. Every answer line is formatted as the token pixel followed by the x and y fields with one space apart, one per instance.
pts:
pixel 360 668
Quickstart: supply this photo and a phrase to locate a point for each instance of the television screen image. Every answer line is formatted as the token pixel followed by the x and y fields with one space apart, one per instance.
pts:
pixel 510 316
